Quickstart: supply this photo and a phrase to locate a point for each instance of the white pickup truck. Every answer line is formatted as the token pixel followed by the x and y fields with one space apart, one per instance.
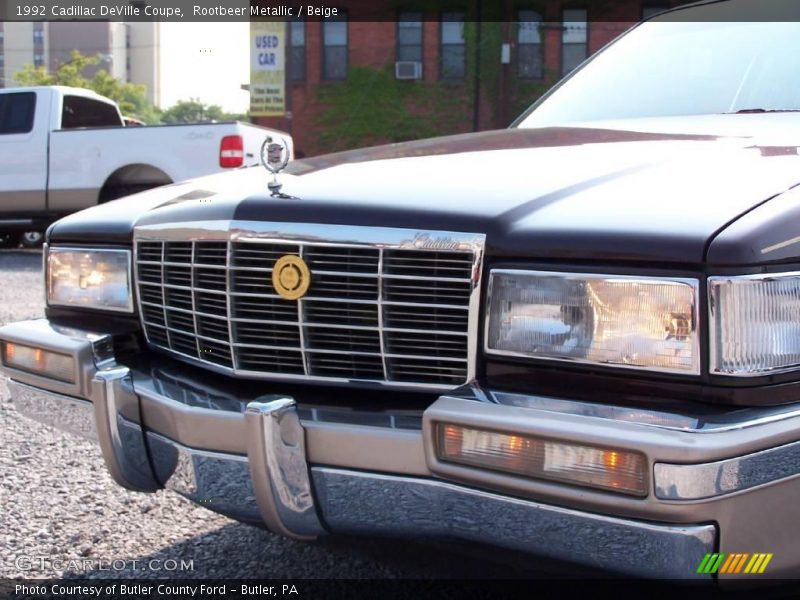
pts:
pixel 64 149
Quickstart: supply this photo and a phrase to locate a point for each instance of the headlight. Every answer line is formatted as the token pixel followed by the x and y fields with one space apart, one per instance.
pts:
pixel 603 319
pixel 755 323
pixel 89 279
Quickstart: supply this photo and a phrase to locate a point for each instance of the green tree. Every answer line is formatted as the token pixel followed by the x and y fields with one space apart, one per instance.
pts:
pixel 194 111
pixel 131 97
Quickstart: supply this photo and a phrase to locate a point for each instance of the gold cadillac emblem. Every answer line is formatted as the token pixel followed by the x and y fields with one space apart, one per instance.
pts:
pixel 291 277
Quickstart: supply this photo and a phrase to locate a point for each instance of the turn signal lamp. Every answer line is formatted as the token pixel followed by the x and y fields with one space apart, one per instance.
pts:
pixel 609 469
pixel 40 362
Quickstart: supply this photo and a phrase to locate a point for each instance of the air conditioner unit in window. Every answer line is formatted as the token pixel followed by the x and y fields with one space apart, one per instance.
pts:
pixel 408 69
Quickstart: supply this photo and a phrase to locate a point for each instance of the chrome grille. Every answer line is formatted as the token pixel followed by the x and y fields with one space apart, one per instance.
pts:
pixel 378 312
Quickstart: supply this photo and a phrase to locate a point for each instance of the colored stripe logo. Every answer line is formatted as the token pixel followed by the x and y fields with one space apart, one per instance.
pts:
pixel 736 562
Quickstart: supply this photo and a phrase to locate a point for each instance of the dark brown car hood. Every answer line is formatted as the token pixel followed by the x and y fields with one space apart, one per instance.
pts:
pixel 581 193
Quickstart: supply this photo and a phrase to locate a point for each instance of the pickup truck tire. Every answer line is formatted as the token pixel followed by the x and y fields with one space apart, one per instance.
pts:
pixel 32 239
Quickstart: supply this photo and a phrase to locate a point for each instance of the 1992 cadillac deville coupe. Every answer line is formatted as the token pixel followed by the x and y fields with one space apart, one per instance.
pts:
pixel 578 337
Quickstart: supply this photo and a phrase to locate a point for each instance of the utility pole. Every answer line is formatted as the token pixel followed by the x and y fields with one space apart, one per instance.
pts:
pixel 476 102
pixel 509 29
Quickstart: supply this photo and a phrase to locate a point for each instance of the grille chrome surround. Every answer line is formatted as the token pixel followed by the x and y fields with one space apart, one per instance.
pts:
pixel 389 307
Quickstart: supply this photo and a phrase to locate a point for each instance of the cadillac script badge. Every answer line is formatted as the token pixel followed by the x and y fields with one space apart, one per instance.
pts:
pixel 291 277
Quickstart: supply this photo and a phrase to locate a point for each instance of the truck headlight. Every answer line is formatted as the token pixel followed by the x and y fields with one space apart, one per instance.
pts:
pixel 610 320
pixel 85 278
pixel 754 324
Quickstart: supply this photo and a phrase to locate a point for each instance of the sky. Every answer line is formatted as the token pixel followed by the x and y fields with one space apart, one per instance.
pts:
pixel 209 61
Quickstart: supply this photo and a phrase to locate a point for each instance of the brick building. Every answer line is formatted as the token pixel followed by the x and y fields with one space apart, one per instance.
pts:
pixel 374 76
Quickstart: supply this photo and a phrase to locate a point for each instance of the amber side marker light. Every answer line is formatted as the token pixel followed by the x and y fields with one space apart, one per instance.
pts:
pixel 614 470
pixel 39 361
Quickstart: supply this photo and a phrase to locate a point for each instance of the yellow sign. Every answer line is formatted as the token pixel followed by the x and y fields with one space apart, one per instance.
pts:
pixel 267 68
pixel 291 277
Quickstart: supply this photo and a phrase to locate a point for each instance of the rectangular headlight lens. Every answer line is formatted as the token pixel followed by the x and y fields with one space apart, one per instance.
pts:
pixel 603 319
pixel 39 361
pixel 90 279
pixel 755 323
pixel 606 468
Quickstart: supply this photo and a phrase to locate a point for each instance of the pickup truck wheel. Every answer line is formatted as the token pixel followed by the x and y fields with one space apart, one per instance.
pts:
pixel 9 240
pixel 32 239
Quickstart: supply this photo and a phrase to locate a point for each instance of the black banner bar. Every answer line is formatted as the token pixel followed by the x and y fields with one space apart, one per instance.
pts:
pixel 200 589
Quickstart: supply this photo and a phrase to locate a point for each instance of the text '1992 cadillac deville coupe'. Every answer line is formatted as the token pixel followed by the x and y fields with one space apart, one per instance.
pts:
pixel 578 337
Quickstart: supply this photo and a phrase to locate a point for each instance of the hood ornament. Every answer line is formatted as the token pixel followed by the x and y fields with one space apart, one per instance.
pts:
pixel 275 157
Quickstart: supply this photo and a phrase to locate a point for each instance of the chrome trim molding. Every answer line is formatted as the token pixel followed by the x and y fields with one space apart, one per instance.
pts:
pixel 69 414
pixel 710 480
pixel 48 250
pixel 321 236
pixel 277 458
pixel 15 222
pixel 693 283
pixel 369 503
pixel 713 339
pixel 725 419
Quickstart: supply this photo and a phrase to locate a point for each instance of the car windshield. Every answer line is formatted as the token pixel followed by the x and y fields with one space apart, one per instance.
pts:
pixel 666 68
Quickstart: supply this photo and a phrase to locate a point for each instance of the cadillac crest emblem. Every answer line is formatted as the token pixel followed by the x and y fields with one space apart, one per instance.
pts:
pixel 291 277
pixel 275 155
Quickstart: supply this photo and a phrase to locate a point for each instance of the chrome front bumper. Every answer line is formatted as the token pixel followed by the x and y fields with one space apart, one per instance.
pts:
pixel 305 470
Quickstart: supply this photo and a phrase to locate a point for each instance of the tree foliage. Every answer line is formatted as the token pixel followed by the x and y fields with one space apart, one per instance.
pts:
pixel 194 111
pixel 131 97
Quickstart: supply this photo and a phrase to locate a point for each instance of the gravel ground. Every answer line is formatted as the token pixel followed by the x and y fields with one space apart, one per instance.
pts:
pixel 59 504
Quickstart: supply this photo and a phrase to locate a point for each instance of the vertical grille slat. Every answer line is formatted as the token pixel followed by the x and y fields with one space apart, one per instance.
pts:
pixel 371 313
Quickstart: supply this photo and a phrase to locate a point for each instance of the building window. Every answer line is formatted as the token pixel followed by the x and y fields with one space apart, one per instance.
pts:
pixel 334 48
pixel 574 38
pixel 38 36
pixel 653 9
pixel 454 50
pixel 38 60
pixel 297 50
pixel 530 59
pixel 2 60
pixel 409 36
